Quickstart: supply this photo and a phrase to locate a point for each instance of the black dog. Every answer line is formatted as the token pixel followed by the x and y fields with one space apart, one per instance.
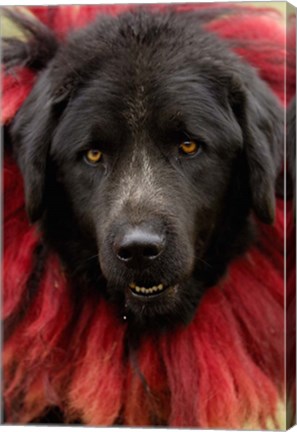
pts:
pixel 145 146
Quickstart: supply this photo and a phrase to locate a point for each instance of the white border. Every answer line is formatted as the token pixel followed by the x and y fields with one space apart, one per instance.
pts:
pixel 94 2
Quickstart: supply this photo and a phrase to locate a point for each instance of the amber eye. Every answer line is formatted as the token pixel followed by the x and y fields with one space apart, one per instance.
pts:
pixel 93 156
pixel 188 147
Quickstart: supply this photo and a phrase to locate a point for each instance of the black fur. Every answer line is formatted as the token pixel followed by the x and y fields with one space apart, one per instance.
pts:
pixel 135 87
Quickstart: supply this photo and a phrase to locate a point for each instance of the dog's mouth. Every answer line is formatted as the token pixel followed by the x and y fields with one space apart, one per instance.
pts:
pixel 149 292
pixel 157 304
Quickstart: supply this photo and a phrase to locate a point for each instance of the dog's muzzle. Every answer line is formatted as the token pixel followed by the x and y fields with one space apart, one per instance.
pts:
pixel 137 247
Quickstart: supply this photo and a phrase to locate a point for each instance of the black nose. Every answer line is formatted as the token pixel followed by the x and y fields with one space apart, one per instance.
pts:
pixel 138 246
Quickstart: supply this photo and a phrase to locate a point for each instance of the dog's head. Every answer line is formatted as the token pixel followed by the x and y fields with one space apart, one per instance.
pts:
pixel 145 146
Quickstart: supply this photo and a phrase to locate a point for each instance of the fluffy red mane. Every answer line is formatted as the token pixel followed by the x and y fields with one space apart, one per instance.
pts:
pixel 225 369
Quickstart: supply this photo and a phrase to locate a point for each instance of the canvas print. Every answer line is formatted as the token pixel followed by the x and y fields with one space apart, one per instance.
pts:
pixel 149 215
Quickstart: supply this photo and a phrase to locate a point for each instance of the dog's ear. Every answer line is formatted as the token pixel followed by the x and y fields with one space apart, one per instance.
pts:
pixel 32 131
pixel 260 117
pixel 33 126
pixel 33 46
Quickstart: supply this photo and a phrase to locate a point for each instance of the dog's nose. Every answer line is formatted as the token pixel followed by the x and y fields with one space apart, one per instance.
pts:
pixel 138 246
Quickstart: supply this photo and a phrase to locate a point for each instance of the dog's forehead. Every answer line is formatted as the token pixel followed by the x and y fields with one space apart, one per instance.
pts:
pixel 145 79
pixel 136 45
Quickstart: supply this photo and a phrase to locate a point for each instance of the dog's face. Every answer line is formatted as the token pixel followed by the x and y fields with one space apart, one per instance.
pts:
pixel 145 145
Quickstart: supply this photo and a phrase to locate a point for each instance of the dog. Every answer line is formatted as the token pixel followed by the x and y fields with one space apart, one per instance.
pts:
pixel 144 152
pixel 149 152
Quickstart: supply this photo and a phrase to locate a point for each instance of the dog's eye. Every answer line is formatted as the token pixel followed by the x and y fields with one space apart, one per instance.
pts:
pixel 188 148
pixel 93 156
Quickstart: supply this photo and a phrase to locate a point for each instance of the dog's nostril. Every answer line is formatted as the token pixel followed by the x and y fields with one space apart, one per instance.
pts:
pixel 124 254
pixel 151 251
pixel 138 246
pixel 138 250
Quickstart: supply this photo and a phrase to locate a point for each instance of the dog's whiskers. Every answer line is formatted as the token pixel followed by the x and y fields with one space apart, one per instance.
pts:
pixel 203 261
pixel 92 257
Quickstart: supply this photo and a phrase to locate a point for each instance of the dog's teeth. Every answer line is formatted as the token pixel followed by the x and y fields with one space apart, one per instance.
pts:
pixel 143 290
